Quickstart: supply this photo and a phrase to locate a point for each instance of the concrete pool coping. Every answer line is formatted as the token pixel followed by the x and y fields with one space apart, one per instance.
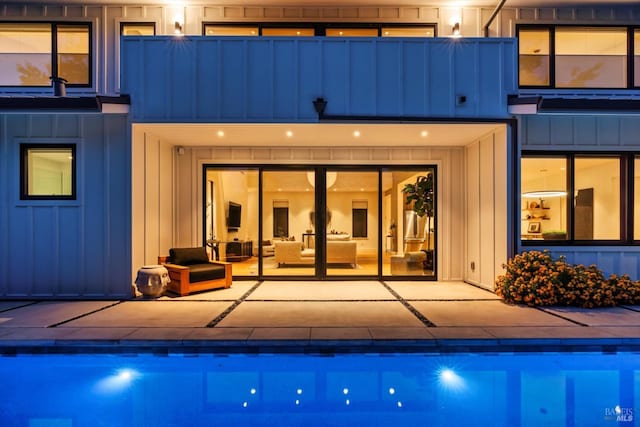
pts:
pixel 315 317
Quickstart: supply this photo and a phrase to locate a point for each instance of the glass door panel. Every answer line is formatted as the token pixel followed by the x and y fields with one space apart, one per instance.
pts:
pixel 288 206
pixel 231 220
pixel 352 236
pixel 409 227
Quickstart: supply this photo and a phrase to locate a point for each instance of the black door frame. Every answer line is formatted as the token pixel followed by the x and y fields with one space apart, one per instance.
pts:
pixel 320 171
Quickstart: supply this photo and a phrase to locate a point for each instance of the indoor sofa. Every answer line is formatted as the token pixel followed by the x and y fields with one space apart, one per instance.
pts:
pixel 290 252
pixel 338 252
pixel 342 252
pixel 191 270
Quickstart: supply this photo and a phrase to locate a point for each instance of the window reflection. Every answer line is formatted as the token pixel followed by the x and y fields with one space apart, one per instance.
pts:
pixel 591 57
pixel 25 54
pixel 533 47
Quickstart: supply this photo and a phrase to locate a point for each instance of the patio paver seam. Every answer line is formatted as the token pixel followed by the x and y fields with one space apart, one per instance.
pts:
pixel 558 315
pixel 409 307
pixel 27 304
pixel 233 306
pixel 84 314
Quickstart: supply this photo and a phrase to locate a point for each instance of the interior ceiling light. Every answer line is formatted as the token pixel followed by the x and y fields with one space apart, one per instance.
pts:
pixel 331 179
pixel 543 194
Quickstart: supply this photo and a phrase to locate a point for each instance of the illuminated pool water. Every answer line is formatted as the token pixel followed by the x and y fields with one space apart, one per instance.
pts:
pixel 560 389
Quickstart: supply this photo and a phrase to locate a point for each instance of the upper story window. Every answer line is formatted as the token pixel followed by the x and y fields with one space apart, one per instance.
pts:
pixel 138 29
pixel 231 30
pixel 48 171
pixel 31 53
pixel 576 57
pixel 318 29
pixel 400 31
pixel 636 57
pixel 288 32
pixel 351 32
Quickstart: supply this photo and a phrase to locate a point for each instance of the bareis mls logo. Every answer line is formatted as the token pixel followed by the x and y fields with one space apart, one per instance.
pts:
pixel 618 414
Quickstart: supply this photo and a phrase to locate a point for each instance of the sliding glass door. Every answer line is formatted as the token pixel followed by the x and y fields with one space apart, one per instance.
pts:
pixel 230 222
pixel 319 221
pixel 409 222
pixel 352 235
pixel 288 206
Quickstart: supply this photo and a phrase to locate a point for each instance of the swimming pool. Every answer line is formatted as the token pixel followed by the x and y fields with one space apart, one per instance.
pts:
pixel 489 389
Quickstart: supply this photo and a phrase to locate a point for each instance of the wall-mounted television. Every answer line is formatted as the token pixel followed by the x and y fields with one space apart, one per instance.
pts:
pixel 234 216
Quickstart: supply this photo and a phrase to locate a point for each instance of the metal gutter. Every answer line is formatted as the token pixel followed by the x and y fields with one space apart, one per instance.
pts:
pixel 492 17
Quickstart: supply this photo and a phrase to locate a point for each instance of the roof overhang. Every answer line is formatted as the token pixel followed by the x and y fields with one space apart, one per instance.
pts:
pixel 71 104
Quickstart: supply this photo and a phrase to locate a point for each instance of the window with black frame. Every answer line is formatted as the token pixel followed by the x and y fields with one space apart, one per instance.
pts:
pixel 572 197
pixel 138 29
pixel 48 171
pixel 576 56
pixel 32 54
pixel 359 213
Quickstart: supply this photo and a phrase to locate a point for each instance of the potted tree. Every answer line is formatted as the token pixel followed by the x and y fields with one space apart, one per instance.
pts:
pixel 420 196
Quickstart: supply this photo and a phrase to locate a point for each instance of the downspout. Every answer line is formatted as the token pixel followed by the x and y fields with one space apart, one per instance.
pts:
pixel 492 17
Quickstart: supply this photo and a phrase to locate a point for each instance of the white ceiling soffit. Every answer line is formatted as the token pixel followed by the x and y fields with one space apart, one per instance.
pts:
pixel 324 134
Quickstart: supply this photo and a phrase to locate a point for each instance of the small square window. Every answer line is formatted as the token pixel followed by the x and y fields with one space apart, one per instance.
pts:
pixel 48 171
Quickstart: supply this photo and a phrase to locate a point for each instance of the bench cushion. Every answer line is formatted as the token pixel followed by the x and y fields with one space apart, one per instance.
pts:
pixel 188 256
pixel 202 272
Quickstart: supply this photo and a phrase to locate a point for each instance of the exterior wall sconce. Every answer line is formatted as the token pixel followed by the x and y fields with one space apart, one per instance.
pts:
pixel 455 30
pixel 319 104
pixel 177 26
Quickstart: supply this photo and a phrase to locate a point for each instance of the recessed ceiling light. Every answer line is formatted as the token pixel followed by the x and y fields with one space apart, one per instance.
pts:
pixel 424 134
pixel 289 134
pixel 356 133
pixel 220 133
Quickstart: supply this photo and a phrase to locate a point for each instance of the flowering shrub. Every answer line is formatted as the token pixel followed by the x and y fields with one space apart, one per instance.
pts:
pixel 534 278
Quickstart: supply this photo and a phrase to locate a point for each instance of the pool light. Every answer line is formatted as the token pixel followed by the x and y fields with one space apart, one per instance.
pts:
pixel 118 381
pixel 449 379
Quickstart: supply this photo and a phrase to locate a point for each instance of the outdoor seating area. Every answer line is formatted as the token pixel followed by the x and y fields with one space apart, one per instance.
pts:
pixel 191 270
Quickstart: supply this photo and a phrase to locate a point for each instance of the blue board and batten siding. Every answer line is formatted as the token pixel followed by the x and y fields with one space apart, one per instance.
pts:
pixel 67 248
pixel 587 133
pixel 244 80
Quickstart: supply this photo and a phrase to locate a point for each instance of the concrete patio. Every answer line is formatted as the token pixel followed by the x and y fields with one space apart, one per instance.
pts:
pixel 315 316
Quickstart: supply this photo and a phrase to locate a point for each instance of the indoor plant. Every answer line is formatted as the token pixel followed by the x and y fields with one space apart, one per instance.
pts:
pixel 420 196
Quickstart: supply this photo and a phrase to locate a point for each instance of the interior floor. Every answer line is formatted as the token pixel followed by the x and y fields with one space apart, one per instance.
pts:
pixel 367 266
